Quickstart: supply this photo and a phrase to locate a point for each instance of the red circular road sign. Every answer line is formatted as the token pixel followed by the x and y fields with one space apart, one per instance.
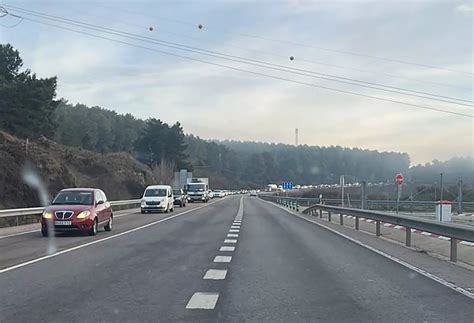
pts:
pixel 399 179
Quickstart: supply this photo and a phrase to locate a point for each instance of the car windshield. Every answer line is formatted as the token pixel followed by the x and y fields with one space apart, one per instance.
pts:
pixel 73 198
pixel 155 192
pixel 176 192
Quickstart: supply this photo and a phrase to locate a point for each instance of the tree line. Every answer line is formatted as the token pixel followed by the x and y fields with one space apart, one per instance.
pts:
pixel 29 109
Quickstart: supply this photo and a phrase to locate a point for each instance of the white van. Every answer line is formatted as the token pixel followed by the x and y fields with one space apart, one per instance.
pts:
pixel 157 198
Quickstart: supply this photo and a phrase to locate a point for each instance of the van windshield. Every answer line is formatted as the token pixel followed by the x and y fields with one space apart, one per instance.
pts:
pixel 155 192
pixel 196 187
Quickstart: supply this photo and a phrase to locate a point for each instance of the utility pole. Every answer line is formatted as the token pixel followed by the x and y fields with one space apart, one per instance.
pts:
pixel 441 197
pixel 363 195
pixel 296 137
pixel 341 182
pixel 460 196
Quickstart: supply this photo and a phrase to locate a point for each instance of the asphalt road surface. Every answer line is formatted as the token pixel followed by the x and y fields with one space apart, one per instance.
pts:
pixel 236 259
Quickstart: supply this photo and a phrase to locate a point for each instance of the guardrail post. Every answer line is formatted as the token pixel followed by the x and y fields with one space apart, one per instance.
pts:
pixel 377 228
pixel 329 216
pixel 297 207
pixel 408 237
pixel 454 250
pixel 320 213
pixel 357 223
pixel 341 218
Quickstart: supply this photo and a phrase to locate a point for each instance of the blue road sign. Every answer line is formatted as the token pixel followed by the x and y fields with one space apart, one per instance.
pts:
pixel 287 185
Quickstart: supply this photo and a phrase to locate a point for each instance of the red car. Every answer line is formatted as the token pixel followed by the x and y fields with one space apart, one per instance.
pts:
pixel 83 209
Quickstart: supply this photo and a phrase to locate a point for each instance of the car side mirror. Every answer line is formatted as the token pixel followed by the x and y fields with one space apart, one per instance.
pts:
pixel 100 202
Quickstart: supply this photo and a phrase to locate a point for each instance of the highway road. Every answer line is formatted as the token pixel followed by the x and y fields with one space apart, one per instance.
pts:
pixel 235 259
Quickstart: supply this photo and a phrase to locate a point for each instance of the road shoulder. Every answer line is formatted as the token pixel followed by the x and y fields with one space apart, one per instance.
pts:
pixel 452 273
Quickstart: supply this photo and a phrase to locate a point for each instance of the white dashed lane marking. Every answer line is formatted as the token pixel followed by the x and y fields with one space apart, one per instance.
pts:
pixel 223 259
pixel 215 274
pixel 232 235
pixel 204 301
pixel 227 248
pixel 235 227
pixel 230 241
pixel 234 230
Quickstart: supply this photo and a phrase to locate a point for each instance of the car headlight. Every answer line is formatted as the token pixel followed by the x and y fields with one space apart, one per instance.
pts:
pixel 47 215
pixel 83 214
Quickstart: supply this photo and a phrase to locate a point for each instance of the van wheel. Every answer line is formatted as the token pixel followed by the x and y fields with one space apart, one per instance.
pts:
pixel 108 227
pixel 172 209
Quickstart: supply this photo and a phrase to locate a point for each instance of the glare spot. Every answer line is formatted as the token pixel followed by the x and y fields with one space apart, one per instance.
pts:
pixel 412 275
pixel 314 170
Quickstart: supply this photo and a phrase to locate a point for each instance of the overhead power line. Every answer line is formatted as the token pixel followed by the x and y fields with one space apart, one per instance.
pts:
pixel 282 68
pixel 252 72
pixel 322 48
pixel 256 73
pixel 268 53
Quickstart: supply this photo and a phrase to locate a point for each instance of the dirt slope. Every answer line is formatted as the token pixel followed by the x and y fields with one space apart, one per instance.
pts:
pixel 118 174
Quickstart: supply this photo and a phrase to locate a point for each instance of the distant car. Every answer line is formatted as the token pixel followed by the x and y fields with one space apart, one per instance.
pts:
pixel 77 209
pixel 180 197
pixel 253 193
pixel 157 198
pixel 219 193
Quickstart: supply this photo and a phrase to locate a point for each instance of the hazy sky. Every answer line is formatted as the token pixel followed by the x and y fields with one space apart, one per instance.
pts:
pixel 216 102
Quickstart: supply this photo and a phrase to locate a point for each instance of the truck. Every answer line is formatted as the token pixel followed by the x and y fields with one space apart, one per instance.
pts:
pixel 197 189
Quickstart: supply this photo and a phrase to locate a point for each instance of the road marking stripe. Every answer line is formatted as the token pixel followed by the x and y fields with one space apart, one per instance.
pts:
pixel 223 259
pixel 235 227
pixel 204 301
pixel 227 248
pixel 215 274
pixel 30 262
pixel 19 233
pixel 230 241
pixel 386 255
pixel 232 235
pixel 234 230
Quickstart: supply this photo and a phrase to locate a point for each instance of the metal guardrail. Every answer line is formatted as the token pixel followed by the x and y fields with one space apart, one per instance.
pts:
pixel 456 232
pixel 374 203
pixel 21 215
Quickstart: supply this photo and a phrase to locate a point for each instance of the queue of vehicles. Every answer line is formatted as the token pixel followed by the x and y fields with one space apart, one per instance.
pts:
pixel 87 209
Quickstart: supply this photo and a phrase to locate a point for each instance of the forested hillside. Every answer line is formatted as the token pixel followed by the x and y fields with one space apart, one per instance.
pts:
pixel 28 109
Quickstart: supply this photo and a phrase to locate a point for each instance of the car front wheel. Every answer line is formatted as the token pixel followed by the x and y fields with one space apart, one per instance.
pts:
pixel 93 230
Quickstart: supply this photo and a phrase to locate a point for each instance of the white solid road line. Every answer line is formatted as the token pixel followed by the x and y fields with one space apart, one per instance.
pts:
pixel 203 301
pixel 223 259
pixel 234 230
pixel 230 241
pixel 227 248
pixel 215 274
pixel 386 255
pixel 19 233
pixel 30 262
pixel 232 235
